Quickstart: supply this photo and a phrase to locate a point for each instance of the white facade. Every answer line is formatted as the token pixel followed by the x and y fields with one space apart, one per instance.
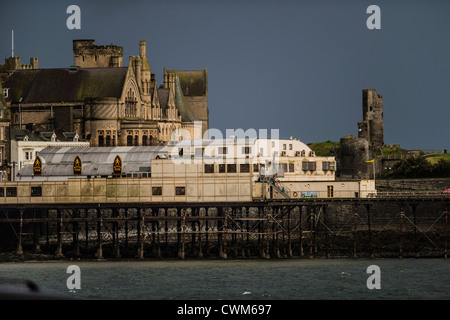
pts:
pixel 289 159
pixel 24 152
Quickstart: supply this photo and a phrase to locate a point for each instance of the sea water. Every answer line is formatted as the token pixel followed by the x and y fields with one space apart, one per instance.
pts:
pixel 240 279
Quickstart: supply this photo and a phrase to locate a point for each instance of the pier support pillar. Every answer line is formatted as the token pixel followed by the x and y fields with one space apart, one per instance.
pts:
pixel 140 236
pixel 355 228
pixel 99 254
pixel 416 245
pixel 311 232
pixel 445 231
pixel 60 226
pixel 368 206
pixel 400 250
pixel 19 246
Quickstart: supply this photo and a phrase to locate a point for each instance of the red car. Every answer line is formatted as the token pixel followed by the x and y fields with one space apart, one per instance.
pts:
pixel 446 191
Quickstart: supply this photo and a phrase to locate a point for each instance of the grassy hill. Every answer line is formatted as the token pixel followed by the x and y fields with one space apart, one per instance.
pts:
pixel 435 157
pixel 323 149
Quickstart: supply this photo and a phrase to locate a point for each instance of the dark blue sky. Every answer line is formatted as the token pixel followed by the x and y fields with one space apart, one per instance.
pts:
pixel 296 66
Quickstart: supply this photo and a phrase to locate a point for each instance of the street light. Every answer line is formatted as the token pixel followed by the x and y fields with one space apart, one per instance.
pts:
pixel 387 169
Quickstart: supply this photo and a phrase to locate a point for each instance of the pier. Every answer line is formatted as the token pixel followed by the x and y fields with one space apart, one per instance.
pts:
pixel 404 225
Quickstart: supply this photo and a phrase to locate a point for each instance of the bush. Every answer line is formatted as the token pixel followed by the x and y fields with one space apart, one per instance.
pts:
pixel 419 167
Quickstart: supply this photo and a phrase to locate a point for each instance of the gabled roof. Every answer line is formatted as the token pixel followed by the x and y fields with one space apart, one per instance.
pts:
pixel 65 85
pixel 163 95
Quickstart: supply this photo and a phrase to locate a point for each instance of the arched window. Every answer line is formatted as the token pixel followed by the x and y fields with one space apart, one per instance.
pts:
pixel 130 104
pixel 108 141
pixel 136 140
pixel 144 140
pixel 100 141
pixel 129 140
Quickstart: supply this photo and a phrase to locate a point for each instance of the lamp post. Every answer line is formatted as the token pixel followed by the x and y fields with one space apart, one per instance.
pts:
pixel 388 170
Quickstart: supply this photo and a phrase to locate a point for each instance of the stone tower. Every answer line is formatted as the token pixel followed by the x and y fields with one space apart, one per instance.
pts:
pixel 354 151
pixel 371 128
pixel 88 55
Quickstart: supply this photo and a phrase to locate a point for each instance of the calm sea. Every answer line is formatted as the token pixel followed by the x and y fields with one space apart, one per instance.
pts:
pixel 289 279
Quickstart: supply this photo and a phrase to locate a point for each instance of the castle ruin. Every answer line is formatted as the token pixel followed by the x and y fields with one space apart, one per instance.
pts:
pixel 355 151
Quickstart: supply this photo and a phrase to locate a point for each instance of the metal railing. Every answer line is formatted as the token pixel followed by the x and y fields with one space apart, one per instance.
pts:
pixel 412 194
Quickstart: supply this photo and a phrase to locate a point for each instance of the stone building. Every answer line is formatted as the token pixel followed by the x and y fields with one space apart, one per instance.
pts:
pixel 14 63
pixel 106 103
pixel 4 135
pixel 372 128
pixel 353 152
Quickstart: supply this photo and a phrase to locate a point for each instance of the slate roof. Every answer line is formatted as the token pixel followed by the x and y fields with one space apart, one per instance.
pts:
pixel 193 82
pixel 65 85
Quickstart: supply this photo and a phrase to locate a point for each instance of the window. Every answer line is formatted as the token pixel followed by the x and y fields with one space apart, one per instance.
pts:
pixel 2 191
pixel 101 141
pixel 144 140
pixel 246 150
pixel 255 167
pixel 328 165
pixel 129 141
pixel 261 152
pixel 180 191
pixel 199 152
pixel 36 191
pixel 223 150
pixel 136 140
pixel 5 92
pixel 290 146
pixel 308 165
pixel 180 152
pixel 330 191
pixel 11 191
pixel 221 168
pixel 231 168
pixel 291 167
pixel 245 167
pixel 28 155
pixel 209 168
pixel 284 146
pixel 108 141
pixel 284 166
pixel 156 191
pixel 130 104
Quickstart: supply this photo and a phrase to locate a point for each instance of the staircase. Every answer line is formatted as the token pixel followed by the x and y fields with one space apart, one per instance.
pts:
pixel 278 186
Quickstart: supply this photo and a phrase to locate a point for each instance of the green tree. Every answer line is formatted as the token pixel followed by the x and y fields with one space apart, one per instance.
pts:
pixel 441 169
pixel 412 167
